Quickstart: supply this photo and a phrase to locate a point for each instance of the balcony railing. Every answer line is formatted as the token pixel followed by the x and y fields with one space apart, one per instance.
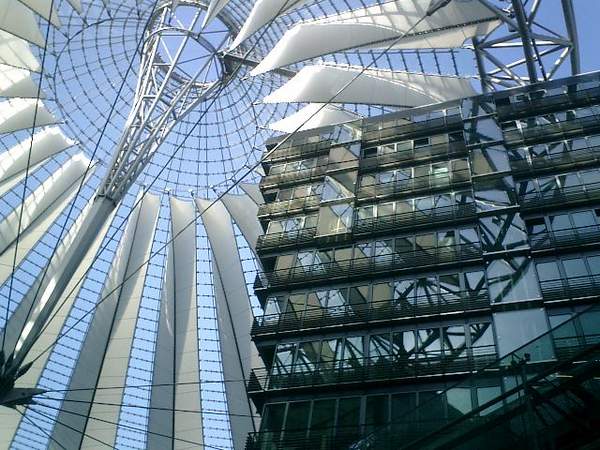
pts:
pixel 379 311
pixel 570 237
pixel 570 195
pixel 359 267
pixel 411 186
pixel 553 131
pixel 565 100
pixel 414 219
pixel 304 175
pixel 297 151
pixel 571 288
pixel 286 239
pixel 372 133
pixel 447 149
pixel 579 157
pixel 370 369
pixel 320 438
pixel 295 205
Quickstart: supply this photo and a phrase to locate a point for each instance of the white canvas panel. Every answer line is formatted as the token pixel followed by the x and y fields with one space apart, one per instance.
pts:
pixel 43 145
pixel 263 12
pixel 42 8
pixel 15 52
pixel 310 117
pixel 18 19
pixel 18 114
pixel 320 83
pixel 377 25
pixel 15 82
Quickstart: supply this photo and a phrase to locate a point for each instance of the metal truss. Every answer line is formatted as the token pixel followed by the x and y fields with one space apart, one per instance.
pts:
pixel 533 51
pixel 165 92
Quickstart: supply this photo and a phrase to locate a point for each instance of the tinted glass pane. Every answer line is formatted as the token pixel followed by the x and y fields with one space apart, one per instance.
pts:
pixel 297 416
pixel 575 267
pixel 403 407
pixel 376 412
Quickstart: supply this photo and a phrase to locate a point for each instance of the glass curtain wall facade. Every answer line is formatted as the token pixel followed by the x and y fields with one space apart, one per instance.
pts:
pixel 404 252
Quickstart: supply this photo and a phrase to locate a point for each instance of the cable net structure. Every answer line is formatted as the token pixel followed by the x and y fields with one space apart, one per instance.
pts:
pixel 131 135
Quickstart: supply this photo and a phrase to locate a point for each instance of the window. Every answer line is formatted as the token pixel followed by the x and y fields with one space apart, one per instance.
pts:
pixel 422 142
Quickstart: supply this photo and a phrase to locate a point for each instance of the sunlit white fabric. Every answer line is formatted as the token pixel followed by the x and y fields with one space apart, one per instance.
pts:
pixel 263 12
pixel 40 210
pixel 16 82
pixel 310 117
pixel 13 162
pixel 176 374
pixel 110 334
pixel 42 7
pixel 374 86
pixel 18 19
pixel 378 25
pixel 15 52
pixel 214 8
pixel 19 113
pixel 239 354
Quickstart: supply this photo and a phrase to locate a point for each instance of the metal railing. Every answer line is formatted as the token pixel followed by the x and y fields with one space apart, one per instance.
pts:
pixel 359 267
pixel 414 219
pixel 446 149
pixel 552 131
pixel 370 369
pixel 295 204
pixel 582 156
pixel 412 185
pixel 570 195
pixel 372 133
pixel 297 151
pixel 542 364
pixel 570 237
pixel 565 100
pixel 285 239
pixel 304 175
pixel 378 311
pixel 571 288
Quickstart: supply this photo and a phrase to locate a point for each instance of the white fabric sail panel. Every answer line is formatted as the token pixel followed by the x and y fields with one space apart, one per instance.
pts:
pixel 43 145
pixel 40 210
pixel 214 8
pixel 9 423
pixel 244 212
pixel 263 12
pixel 176 375
pixel 18 19
pixel 44 8
pixel 313 116
pixel 19 113
pixel 234 314
pixel 253 191
pixel 15 52
pixel 319 83
pixel 110 335
pixel 41 299
pixel 76 4
pixel 15 82
pixel 379 25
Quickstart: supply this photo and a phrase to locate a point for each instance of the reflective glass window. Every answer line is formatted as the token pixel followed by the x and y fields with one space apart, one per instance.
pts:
pixel 376 412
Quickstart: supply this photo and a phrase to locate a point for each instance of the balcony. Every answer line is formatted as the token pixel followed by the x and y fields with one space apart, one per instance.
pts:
pixel 300 151
pixel 430 183
pixel 403 128
pixel 445 150
pixel 380 311
pixel 573 288
pixel 369 370
pixel 286 239
pixel 305 175
pixel 567 238
pixel 553 131
pixel 557 102
pixel 416 259
pixel 415 219
pixel 560 197
pixel 563 160
pixel 294 205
